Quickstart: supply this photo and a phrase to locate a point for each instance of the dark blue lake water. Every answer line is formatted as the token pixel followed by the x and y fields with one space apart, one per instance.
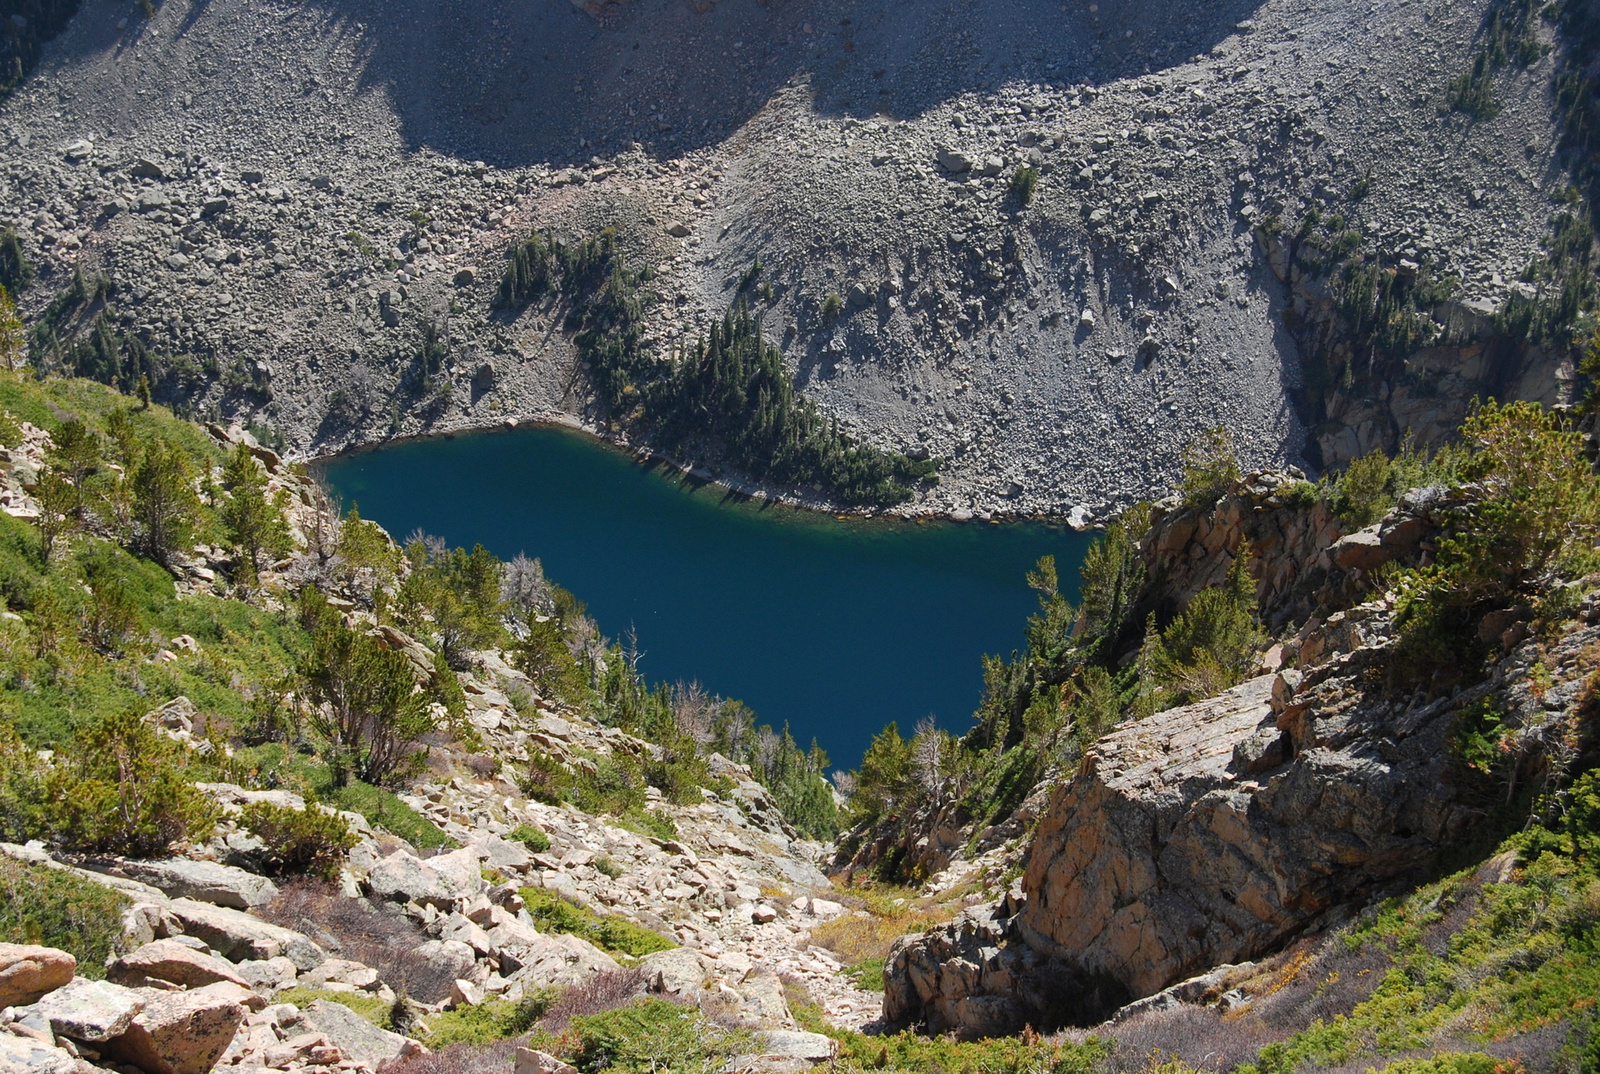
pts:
pixel 833 626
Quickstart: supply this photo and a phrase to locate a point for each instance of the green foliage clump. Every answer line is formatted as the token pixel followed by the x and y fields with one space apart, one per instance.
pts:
pixel 1023 183
pixel 123 788
pixel 1533 508
pixel 373 1008
pixel 729 396
pixel 553 913
pixel 16 271
pixel 652 1036
pixel 256 526
pixel 367 707
pixel 529 836
pixel 909 1052
pixel 454 596
pixel 487 1022
pixel 58 908
pixel 384 810
pixel 1210 467
pixel 299 841
pixel 1210 645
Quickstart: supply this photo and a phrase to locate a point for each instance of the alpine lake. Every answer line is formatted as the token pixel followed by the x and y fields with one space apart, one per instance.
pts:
pixel 833 625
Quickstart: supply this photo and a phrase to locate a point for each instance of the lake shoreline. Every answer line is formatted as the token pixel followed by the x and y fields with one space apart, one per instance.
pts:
pixel 746 489
pixel 834 624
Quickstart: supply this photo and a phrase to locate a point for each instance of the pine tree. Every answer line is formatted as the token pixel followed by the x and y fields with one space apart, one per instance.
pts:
pixel 255 522
pixel 12 331
pixel 166 508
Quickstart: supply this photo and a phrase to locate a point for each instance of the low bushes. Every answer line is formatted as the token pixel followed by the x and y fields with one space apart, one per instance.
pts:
pixel 552 913
pixel 529 836
pixel 653 1037
pixel 56 908
pixel 299 841
pixel 490 1021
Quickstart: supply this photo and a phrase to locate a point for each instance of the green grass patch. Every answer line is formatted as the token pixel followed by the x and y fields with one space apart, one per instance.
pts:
pixel 868 974
pixel 1001 1055
pixel 41 905
pixel 366 1005
pixel 308 776
pixel 617 935
pixel 529 836
pixel 492 1020
pixel 654 1036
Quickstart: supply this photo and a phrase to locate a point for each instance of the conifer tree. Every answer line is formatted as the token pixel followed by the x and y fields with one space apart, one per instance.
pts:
pixel 255 522
pixel 166 508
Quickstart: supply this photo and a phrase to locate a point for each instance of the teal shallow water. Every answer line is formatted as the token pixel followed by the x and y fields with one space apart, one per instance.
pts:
pixel 833 626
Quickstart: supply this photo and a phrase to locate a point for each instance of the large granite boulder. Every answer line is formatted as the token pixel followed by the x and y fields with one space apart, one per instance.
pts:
pixel 177 1032
pixel 235 934
pixel 354 1036
pixel 1205 834
pixel 90 1011
pixel 28 971
pixel 169 960
pixel 204 881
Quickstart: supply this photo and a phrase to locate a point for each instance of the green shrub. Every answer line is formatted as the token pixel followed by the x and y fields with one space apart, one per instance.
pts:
pixel 649 822
pixel 56 908
pixel 1209 467
pixel 652 1037
pixel 1531 521
pixel 490 1021
pixel 868 974
pixel 553 913
pixel 298 841
pixel 123 788
pixel 1023 182
pixel 607 867
pixel 529 836
pixel 384 809
pixel 832 306
pixel 1210 645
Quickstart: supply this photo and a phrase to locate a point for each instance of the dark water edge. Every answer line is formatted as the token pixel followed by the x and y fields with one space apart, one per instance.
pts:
pixel 833 624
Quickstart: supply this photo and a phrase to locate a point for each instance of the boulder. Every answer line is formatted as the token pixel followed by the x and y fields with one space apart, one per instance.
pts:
pixel 304 1048
pixel 679 972
pixel 27 972
pixel 29 1055
pixel 1206 834
pixel 340 971
pixel 953 160
pixel 169 960
pixel 795 1044
pixel 403 877
pixel 90 1011
pixel 532 1061
pixel 451 955
pixel 204 881
pixel 237 935
pixel 355 1037
pixel 267 975
pixel 178 1032
pixel 554 959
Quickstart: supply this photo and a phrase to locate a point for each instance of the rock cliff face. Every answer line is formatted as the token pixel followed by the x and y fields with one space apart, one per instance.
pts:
pixel 313 199
pixel 1216 832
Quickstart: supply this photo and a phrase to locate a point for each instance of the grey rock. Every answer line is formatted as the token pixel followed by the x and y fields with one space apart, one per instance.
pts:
pixel 178 1032
pixel 205 881
pixel 356 1037
pixel 90 1011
